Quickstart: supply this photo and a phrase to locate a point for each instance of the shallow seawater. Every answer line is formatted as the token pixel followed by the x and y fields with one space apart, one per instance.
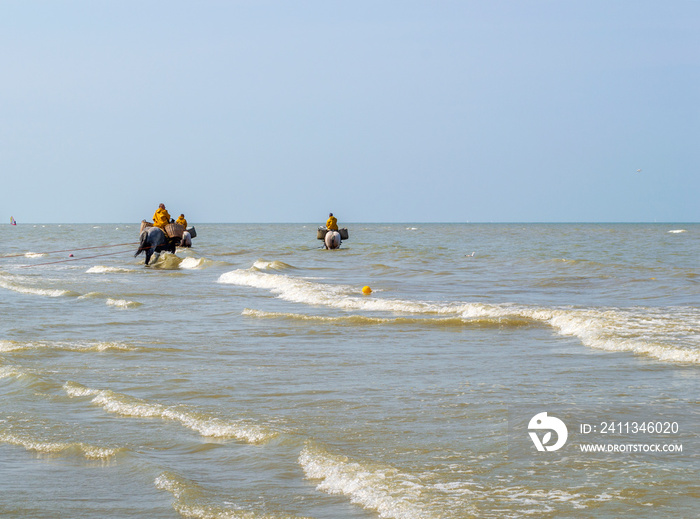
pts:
pixel 249 376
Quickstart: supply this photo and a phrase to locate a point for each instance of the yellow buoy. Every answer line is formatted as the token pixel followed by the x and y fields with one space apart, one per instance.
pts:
pixel 366 290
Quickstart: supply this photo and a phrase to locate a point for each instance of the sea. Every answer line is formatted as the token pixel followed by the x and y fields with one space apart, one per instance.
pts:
pixel 493 371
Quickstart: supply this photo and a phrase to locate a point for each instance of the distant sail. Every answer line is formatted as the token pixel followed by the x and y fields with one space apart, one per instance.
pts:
pixel 13 221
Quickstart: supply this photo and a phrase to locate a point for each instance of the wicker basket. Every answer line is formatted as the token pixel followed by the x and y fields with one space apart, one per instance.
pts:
pixel 174 230
pixel 145 224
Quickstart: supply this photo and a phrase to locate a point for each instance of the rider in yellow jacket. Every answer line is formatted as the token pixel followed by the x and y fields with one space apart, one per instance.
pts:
pixel 332 223
pixel 161 217
pixel 181 220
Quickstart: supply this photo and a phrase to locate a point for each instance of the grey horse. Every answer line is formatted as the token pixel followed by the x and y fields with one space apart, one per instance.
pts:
pixel 154 241
pixel 332 240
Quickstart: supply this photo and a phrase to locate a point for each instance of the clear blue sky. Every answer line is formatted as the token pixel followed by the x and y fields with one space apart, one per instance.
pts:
pixel 380 111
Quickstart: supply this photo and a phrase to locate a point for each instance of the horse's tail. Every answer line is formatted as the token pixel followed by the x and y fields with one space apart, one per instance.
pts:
pixel 143 245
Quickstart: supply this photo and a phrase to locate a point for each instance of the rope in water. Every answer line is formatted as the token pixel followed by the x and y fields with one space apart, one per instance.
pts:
pixel 70 250
pixel 76 259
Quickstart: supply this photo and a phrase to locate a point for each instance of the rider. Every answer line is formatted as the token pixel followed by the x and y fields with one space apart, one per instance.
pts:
pixel 332 223
pixel 181 220
pixel 161 217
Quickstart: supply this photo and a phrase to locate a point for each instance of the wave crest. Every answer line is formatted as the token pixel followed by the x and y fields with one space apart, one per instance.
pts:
pixel 100 269
pixel 122 303
pixel 356 319
pixel 92 452
pixel 271 265
pixel 206 425
pixel 663 333
pixel 10 346
pixel 190 501
pixel 383 489
pixel 24 289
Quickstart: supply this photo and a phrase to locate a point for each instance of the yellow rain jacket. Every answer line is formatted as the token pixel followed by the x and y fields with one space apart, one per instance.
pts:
pixel 332 223
pixel 161 218
pixel 181 221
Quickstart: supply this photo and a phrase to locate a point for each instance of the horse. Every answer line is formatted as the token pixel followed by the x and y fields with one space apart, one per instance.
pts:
pixel 154 241
pixel 332 240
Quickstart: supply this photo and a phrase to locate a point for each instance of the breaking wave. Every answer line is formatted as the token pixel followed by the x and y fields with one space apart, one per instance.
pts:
pixel 356 319
pixel 190 501
pixel 192 263
pixel 11 372
pixel 381 488
pixel 667 334
pixel 271 265
pixel 166 261
pixel 300 290
pixel 20 286
pixel 395 494
pixel 206 425
pixel 88 451
pixel 122 303
pixel 10 346
pixel 99 269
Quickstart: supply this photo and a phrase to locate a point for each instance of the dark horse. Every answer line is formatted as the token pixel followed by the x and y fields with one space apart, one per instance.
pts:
pixel 154 241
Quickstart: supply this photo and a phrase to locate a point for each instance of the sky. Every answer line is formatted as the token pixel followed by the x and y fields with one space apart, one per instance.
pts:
pixel 379 111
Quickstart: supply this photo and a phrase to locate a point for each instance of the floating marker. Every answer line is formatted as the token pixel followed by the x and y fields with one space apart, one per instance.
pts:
pixel 366 290
pixel 70 255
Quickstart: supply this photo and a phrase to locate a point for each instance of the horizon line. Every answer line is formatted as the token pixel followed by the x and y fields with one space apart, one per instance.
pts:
pixel 571 222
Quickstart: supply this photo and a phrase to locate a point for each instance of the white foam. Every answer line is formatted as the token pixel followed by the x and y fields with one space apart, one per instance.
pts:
pixel 383 489
pixel 677 231
pixel 639 331
pixel 170 482
pixel 46 447
pixel 100 269
pixel 206 425
pixel 192 263
pixel 10 346
pixel 300 290
pixel 22 289
pixel 10 372
pixel 122 303
pixel 537 502
pixel 73 389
